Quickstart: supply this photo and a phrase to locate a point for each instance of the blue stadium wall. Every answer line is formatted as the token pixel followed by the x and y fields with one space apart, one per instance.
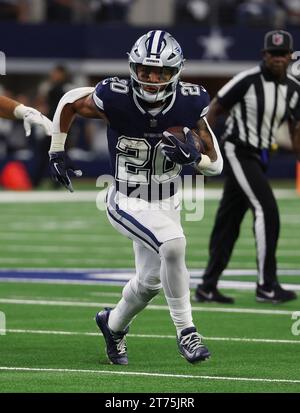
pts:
pixel 60 42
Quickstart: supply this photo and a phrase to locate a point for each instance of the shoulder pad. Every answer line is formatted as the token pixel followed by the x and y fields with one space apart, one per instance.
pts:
pixel 197 96
pixel 106 90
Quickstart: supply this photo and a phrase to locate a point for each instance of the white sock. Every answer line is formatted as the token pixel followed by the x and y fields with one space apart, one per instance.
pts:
pixel 181 312
pixel 175 281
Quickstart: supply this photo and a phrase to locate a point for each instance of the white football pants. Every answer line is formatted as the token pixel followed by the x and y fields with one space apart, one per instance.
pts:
pixel 159 247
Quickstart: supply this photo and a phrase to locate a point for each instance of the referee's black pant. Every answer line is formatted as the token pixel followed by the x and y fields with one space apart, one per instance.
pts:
pixel 246 186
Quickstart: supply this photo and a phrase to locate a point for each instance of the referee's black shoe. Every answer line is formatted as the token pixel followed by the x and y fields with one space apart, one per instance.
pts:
pixel 203 295
pixel 274 295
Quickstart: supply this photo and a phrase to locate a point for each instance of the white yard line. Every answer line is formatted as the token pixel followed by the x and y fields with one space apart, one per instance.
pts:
pixel 49 249
pixel 143 374
pixel 91 238
pixel 149 307
pixel 104 294
pixel 62 282
pixel 70 261
pixel 229 272
pixel 160 336
pixel 249 285
pixel 77 237
pixel 91 196
pixel 119 277
pixel 102 261
pixel 49 196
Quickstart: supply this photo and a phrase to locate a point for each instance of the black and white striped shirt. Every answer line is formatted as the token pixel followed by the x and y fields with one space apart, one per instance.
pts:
pixel 257 106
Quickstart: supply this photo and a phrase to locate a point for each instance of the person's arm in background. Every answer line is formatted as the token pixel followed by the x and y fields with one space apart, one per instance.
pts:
pixel 7 107
pixel 11 109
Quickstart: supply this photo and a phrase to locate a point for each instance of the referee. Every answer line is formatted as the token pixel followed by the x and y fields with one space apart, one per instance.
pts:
pixel 257 101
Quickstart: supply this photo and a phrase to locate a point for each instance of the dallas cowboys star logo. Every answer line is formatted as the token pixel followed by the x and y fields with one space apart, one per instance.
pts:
pixel 215 45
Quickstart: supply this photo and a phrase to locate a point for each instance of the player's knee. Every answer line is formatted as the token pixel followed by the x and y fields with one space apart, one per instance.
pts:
pixel 147 294
pixel 135 290
pixel 173 249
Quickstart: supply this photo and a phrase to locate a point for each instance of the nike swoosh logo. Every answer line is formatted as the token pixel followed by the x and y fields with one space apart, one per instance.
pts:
pixel 207 295
pixel 187 155
pixel 270 294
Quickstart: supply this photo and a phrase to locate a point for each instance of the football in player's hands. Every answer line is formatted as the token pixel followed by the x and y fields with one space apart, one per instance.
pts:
pixel 177 131
pixel 179 146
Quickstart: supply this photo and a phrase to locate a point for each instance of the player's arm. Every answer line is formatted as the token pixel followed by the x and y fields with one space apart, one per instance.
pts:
pixel 11 109
pixel 211 162
pixel 75 102
pixel 208 161
pixel 216 109
pixel 84 107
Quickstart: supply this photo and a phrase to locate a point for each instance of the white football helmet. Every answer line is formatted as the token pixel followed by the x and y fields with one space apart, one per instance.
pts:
pixel 156 48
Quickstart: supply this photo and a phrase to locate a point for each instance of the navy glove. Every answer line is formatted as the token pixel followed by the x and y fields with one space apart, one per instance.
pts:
pixel 59 170
pixel 183 153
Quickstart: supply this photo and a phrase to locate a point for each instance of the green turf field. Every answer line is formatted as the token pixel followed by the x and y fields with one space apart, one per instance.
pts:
pixel 78 235
pixel 52 327
pixel 52 345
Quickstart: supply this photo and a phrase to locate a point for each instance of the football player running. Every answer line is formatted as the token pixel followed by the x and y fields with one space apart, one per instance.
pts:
pixel 11 109
pixel 138 112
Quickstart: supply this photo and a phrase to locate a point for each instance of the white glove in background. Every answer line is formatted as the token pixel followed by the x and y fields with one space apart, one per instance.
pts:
pixel 33 117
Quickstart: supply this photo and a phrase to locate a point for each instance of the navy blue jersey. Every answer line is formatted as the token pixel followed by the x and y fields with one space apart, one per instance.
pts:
pixel 134 134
